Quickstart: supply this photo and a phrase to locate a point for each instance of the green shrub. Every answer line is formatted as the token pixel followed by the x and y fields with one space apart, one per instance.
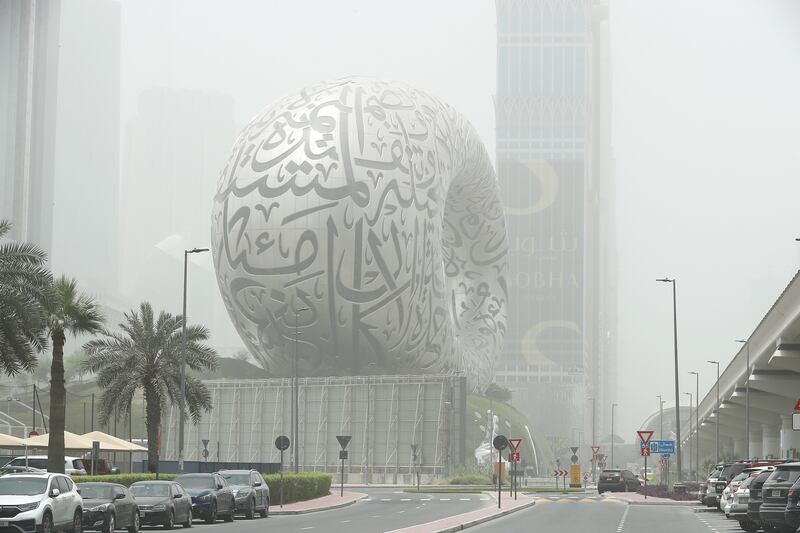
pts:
pixel 298 487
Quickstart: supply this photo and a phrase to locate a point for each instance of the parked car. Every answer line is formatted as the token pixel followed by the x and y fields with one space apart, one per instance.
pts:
pixel 775 495
pixel 709 495
pixel 737 510
pixel 211 496
pixel 617 480
pixel 791 514
pixel 754 500
pixel 73 466
pixel 162 503
pixel 728 494
pixel 13 469
pixel 39 502
pixel 249 490
pixel 108 506
pixel 101 467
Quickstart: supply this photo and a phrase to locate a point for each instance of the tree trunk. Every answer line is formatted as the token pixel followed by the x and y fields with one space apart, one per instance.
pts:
pixel 58 406
pixel 153 423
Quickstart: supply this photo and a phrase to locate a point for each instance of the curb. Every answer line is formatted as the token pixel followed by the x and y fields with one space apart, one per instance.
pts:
pixel 484 519
pixel 280 512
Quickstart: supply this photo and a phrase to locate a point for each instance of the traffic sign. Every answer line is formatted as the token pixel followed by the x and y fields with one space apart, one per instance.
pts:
pixel 574 459
pixel 500 442
pixel 515 457
pixel 574 450
pixel 645 436
pixel 344 440
pixel 796 421
pixel 586 476
pixel 797 405
pixel 205 453
pixel 665 456
pixel 560 473
pixel 205 443
pixel 342 454
pixel 662 446
pixel 514 443
pixel 645 451
pixel 282 443
pixel 595 449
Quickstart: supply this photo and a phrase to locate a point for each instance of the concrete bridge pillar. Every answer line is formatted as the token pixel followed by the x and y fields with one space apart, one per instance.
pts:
pixel 756 443
pixel 770 441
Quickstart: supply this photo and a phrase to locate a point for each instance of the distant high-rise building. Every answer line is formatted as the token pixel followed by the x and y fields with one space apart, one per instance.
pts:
pixel 29 39
pixel 555 170
pixel 173 151
pixel 86 202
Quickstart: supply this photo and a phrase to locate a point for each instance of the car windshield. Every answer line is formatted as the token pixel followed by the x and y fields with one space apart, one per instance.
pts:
pixel 237 479
pixel 77 464
pixel 741 477
pixel 22 486
pixel 145 490
pixel 782 475
pixel 196 482
pixel 96 492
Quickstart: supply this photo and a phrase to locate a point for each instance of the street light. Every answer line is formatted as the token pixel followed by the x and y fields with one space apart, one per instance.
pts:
pixel 613 406
pixel 716 412
pixel 746 402
pixel 594 461
pixel 296 397
pixel 183 357
pixel 696 425
pixel 660 417
pixel 677 388
pixel 690 432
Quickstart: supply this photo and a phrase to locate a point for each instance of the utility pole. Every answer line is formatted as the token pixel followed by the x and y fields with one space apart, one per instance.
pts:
pixel 690 432
pixel 613 406
pixel 660 417
pixel 716 413
pixel 747 402
pixel 697 426
pixel 677 387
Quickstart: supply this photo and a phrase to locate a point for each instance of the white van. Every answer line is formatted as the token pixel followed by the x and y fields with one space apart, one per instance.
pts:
pixel 73 466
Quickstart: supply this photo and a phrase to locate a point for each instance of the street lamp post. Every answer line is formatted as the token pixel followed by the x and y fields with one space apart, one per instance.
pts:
pixel 296 398
pixel 677 388
pixel 746 402
pixel 690 432
pixel 594 461
pixel 613 406
pixel 660 417
pixel 696 425
pixel 716 413
pixel 183 358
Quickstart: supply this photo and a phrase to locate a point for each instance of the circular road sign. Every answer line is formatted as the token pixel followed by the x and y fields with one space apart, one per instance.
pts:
pixel 33 434
pixel 282 443
pixel 500 442
pixel 574 459
pixel 205 454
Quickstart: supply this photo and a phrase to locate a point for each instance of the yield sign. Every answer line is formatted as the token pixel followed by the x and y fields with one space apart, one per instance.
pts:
pixel 645 436
pixel 344 440
pixel 514 443
pixel 797 406
pixel 595 449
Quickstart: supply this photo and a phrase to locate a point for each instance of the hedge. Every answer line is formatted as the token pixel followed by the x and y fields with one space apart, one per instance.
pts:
pixel 296 487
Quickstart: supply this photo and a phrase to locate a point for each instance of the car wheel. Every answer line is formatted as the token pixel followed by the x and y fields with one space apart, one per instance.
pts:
pixel 188 522
pixel 265 511
pixel 170 523
pixel 77 522
pixel 47 523
pixel 212 516
pixel 229 517
pixel 251 509
pixel 134 527
pixel 111 524
pixel 748 526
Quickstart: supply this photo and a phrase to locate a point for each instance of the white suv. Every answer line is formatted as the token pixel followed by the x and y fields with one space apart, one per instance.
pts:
pixel 39 503
pixel 73 466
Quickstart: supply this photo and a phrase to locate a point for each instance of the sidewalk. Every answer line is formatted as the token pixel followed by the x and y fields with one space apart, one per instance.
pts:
pixel 634 498
pixel 473 518
pixel 331 501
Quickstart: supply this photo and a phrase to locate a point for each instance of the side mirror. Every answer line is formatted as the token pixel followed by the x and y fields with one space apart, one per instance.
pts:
pixel 257 484
pixel 120 496
pixel 115 470
pixel 54 493
pixel 176 496
pixel 219 487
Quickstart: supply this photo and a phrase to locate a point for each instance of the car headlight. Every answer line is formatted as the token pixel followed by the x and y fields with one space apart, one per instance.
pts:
pixel 28 506
pixel 206 498
pixel 100 508
pixel 161 507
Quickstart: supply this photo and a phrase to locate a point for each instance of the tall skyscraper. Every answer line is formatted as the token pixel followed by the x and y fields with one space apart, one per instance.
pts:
pixel 554 167
pixel 29 38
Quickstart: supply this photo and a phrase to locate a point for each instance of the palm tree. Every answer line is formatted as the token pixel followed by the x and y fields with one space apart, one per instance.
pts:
pixel 67 311
pixel 23 279
pixel 146 354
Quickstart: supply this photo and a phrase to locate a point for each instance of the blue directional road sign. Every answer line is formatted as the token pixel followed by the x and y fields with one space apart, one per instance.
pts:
pixel 665 456
pixel 662 446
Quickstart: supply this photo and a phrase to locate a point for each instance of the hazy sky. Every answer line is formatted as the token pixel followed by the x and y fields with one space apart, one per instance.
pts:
pixel 706 128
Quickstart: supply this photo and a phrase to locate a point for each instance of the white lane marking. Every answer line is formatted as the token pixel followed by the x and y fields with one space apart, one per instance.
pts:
pixel 398 512
pixel 405 499
pixel 398 492
pixel 464 499
pixel 622 521
pixel 386 499
pixel 345 521
pixel 308 527
pixel 425 499
pixel 375 516
pixel 444 499
pixel 484 498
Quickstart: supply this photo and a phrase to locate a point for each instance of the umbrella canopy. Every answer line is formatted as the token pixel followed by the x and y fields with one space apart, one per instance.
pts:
pixel 71 441
pixel 9 441
pixel 110 443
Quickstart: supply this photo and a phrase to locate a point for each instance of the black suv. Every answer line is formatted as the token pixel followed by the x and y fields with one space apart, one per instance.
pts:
pixel 250 490
pixel 754 501
pixel 620 480
pixel 775 496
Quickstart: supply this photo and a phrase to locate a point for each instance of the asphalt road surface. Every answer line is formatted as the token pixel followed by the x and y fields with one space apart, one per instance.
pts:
pixel 593 514
pixel 384 510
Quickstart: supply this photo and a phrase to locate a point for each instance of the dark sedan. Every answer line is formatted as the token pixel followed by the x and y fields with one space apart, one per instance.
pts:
pixel 617 480
pixel 212 496
pixel 250 491
pixel 108 506
pixel 162 503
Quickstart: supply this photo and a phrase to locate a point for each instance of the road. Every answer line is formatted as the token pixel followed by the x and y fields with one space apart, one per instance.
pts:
pixel 384 510
pixel 594 514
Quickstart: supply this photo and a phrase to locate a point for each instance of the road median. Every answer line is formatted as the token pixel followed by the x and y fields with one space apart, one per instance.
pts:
pixel 324 503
